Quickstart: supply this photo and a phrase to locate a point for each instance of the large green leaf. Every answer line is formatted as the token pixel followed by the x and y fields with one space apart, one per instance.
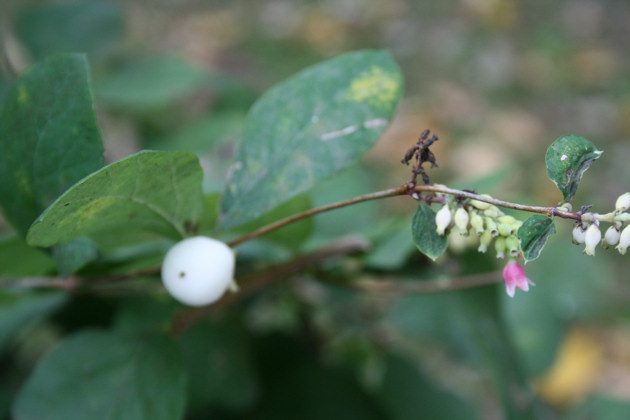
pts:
pixel 307 128
pixel 567 158
pixel 97 375
pixel 49 139
pixel 53 28
pixel 158 191
pixel 423 230
pixel 533 234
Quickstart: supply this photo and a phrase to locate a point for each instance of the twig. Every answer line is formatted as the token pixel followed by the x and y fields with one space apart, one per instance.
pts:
pixel 382 287
pixel 254 282
pixel 392 192
pixel 400 191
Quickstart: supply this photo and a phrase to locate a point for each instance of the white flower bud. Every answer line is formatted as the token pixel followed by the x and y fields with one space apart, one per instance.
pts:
pixel 623 202
pixel 579 232
pixel 481 205
pixel 592 238
pixel 461 220
pixel 492 227
pixel 565 207
pixel 499 247
pixel 484 241
pixel 624 240
pixel 442 219
pixel 476 221
pixel 612 236
pixel 493 212
pixel 511 244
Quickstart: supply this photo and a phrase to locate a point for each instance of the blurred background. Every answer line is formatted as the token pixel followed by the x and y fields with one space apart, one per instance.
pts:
pixel 497 80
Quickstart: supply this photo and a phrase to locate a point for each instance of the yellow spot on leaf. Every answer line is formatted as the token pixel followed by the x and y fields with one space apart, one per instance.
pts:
pixel 574 370
pixel 374 86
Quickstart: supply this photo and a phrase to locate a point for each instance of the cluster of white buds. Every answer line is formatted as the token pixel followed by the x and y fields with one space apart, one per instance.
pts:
pixel 589 233
pixel 479 223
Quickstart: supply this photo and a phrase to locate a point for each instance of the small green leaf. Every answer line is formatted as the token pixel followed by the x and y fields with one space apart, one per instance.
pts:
pixel 49 139
pixel 423 229
pixel 533 234
pixel 158 191
pixel 567 158
pixel 97 375
pixel 307 128
pixel 72 256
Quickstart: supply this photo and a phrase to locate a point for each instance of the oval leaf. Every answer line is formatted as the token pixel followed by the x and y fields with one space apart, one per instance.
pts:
pixel 567 158
pixel 423 229
pixel 307 128
pixel 49 139
pixel 97 375
pixel 533 234
pixel 158 191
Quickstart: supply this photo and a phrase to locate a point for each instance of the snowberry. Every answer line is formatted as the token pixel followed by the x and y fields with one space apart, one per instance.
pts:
pixel 198 270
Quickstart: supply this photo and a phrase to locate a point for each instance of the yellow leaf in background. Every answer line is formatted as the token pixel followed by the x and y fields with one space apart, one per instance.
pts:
pixel 575 369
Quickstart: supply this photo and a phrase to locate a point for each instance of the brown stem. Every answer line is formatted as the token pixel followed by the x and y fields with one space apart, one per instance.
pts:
pixel 256 281
pixel 381 287
pixel 393 192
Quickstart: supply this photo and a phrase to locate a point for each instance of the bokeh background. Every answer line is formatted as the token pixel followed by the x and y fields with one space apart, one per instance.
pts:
pixel 497 80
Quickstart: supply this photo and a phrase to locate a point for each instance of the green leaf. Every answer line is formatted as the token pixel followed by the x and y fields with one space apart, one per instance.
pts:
pixel 150 83
pixel 307 128
pixel 53 28
pixel 96 375
pixel 158 191
pixel 49 139
pixel 72 256
pixel 18 310
pixel 423 230
pixel 533 234
pixel 567 158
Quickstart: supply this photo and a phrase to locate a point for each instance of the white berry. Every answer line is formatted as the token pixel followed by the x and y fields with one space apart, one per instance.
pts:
pixel 197 271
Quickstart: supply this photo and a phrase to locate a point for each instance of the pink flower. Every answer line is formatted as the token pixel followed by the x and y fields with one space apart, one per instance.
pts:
pixel 514 276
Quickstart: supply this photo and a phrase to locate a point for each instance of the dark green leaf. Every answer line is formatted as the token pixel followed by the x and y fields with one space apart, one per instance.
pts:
pixel 49 139
pixel 533 234
pixel 567 158
pixel 18 310
pixel 423 230
pixel 406 394
pixel 150 83
pixel 72 256
pixel 224 350
pixel 307 128
pixel 96 375
pixel 93 26
pixel 159 191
